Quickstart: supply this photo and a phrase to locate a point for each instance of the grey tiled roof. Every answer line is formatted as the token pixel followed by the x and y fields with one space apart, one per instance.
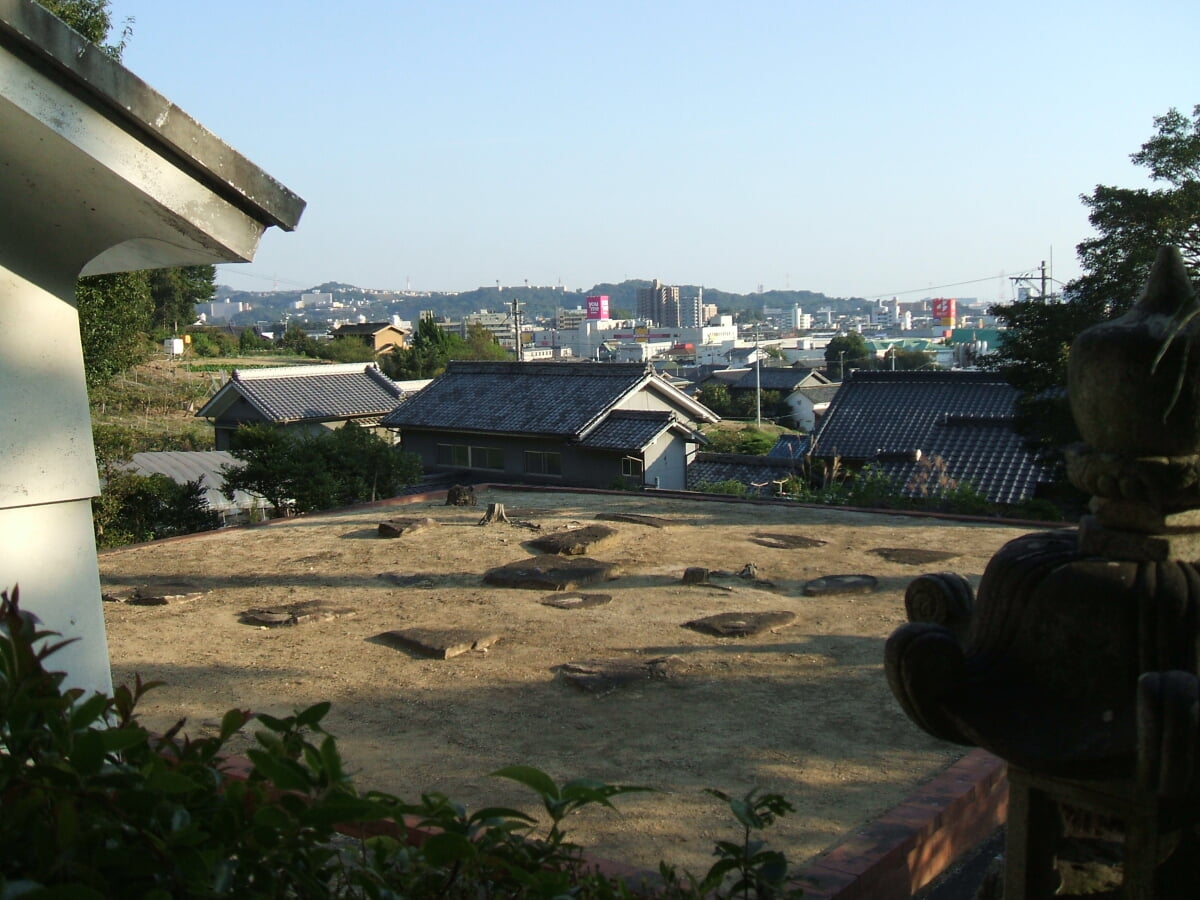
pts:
pixel 561 399
pixel 318 393
pixel 965 418
pixel 756 472
pixel 772 378
pixel 819 393
pixel 789 446
pixel 628 430
pixel 364 328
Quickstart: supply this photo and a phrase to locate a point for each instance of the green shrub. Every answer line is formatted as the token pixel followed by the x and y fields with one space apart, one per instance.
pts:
pixel 320 470
pixel 133 508
pixel 730 486
pixel 96 806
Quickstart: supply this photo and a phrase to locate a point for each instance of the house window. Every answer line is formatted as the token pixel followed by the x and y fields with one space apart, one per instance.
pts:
pixel 538 462
pixel 631 467
pixel 453 455
pixel 487 458
pixel 470 457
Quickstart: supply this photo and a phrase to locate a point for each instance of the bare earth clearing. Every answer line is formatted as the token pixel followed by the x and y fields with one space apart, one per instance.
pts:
pixel 803 709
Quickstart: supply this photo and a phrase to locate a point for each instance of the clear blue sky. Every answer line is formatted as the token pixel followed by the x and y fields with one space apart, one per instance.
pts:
pixel 851 148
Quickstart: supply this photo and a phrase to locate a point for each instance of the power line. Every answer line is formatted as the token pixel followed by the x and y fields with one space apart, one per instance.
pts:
pixel 938 287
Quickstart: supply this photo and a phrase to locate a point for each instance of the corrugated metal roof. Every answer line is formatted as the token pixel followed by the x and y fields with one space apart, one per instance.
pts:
pixel 188 465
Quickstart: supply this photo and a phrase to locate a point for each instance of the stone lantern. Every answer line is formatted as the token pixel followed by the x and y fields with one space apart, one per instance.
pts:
pixel 1078 661
pixel 98 174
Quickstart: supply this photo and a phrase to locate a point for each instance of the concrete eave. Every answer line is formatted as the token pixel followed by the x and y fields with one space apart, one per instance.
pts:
pixel 140 108
pixel 102 167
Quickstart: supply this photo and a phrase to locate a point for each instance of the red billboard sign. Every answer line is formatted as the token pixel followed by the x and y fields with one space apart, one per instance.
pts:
pixel 597 307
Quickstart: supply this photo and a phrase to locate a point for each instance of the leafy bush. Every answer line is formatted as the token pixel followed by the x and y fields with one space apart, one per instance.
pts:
pixel 750 441
pixel 133 508
pixel 321 470
pixel 729 486
pixel 96 806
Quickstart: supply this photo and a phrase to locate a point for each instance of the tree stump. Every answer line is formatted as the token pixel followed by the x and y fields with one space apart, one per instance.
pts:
pixel 495 513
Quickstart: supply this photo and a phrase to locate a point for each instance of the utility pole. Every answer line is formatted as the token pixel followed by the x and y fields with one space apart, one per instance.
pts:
pixel 516 316
pixel 841 365
pixel 757 378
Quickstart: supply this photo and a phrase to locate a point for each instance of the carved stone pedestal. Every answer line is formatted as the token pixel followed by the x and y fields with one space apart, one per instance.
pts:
pixel 1078 661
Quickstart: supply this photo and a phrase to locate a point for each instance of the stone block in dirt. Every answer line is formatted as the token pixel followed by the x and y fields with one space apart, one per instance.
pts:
pixel 741 624
pixel 841 584
pixel 787 541
pixel 394 528
pixel 574 541
pixel 294 614
pixel 913 556
pixel 576 600
pixel 541 573
pixel 600 676
pixel 635 519
pixel 153 594
pixel 438 643
pixel 401 579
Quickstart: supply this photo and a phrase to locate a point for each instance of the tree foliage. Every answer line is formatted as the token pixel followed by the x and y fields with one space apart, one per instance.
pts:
pixel 177 291
pixel 432 347
pixel 322 470
pixel 133 508
pixel 846 351
pixel 114 318
pixel 92 19
pixel 1131 224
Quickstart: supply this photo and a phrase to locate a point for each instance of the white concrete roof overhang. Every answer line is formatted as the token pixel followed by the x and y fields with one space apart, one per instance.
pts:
pixel 96 165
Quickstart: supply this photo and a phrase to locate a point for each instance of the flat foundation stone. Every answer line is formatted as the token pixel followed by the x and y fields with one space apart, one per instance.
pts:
pixel 635 519
pixel 600 676
pixel 294 614
pixel 841 584
pixel 913 556
pixel 741 624
pixel 576 600
pixel 438 643
pixel 575 541
pixel 542 573
pixel 787 541
pixel 394 528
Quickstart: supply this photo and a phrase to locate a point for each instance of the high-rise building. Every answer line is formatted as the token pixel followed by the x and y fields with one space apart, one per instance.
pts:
pixel 660 304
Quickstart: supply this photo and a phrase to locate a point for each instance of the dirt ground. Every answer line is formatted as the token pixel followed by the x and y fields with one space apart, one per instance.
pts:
pixel 803 710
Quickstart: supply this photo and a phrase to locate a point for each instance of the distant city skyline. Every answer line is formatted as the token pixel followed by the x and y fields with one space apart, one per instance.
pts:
pixel 870 150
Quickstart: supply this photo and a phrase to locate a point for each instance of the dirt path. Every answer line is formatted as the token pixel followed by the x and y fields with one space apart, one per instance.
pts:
pixel 803 709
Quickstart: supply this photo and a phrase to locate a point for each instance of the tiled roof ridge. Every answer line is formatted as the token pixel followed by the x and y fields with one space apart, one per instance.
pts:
pixel 577 369
pixel 645 414
pixel 946 375
pixel 383 381
pixel 301 371
pixel 969 418
pixel 750 459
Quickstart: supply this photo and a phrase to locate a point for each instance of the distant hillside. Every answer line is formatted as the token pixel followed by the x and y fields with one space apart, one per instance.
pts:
pixel 271 306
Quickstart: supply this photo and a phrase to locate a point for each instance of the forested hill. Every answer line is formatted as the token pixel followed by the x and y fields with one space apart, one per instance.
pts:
pixel 271 305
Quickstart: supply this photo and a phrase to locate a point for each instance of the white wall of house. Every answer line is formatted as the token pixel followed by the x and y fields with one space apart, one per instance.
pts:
pixel 666 463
